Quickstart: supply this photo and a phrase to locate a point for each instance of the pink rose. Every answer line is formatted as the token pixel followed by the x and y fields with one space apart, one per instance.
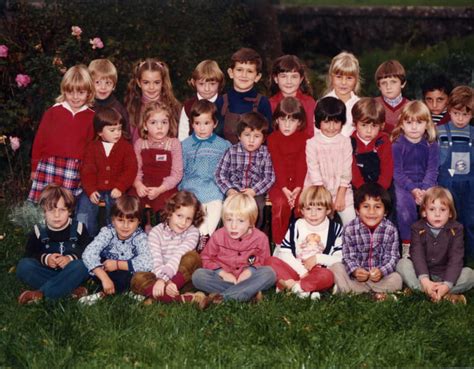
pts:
pixel 3 51
pixel 76 31
pixel 96 43
pixel 22 80
pixel 14 143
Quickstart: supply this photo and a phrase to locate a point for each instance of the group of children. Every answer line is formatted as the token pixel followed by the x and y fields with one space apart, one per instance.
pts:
pixel 306 157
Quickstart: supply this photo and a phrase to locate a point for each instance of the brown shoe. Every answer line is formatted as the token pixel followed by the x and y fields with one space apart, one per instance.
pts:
pixel 198 298
pixel 142 281
pixel 216 298
pixel 30 297
pixel 455 299
pixel 379 296
pixel 79 292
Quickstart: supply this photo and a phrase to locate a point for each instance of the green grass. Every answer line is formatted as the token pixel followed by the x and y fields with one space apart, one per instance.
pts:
pixel 281 332
pixel 378 2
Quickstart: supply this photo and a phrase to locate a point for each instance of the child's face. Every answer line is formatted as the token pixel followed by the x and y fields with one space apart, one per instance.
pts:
pixel 371 211
pixel 367 131
pixel 181 219
pixel 460 117
pixel 437 214
pixel 391 87
pixel 76 99
pixel 57 217
pixel 251 139
pixel 124 226
pixel 330 128
pixel 151 84
pixel 204 125
pixel 288 125
pixel 158 125
pixel 111 133
pixel 103 87
pixel 343 85
pixel 207 89
pixel 288 82
pixel 237 225
pixel 315 214
pixel 244 76
pixel 414 129
pixel 437 101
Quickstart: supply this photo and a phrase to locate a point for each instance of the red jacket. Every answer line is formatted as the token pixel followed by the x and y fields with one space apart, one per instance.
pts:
pixel 102 173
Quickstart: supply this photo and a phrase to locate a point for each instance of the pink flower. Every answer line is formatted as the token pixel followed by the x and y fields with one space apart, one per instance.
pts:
pixel 96 43
pixel 22 80
pixel 3 51
pixel 76 31
pixel 14 143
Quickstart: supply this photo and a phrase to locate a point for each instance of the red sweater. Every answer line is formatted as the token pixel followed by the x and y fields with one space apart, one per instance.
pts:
pixel 102 173
pixel 384 151
pixel 62 134
pixel 392 113
pixel 309 104
pixel 289 159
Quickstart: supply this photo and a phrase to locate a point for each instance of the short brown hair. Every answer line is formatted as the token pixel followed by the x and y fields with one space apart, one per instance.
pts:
pixel 290 107
pixel 253 120
pixel 126 206
pixel 106 116
pixel 316 196
pixel 438 193
pixel 51 195
pixel 461 97
pixel 208 70
pixel 180 199
pixel 103 68
pixel 368 110
pixel 390 68
pixel 203 106
pixel 246 55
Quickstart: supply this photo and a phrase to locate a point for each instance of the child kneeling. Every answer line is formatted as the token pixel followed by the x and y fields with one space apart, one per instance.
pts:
pixel 370 250
pixel 234 258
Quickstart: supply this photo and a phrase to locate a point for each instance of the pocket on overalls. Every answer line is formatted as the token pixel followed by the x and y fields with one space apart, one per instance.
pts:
pixel 461 163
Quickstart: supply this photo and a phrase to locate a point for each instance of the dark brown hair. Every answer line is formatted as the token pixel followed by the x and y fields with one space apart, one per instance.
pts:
pixel 390 68
pixel 290 107
pixel 126 206
pixel 106 116
pixel 373 190
pixel 246 55
pixel 203 106
pixel 286 64
pixel 253 120
pixel 184 198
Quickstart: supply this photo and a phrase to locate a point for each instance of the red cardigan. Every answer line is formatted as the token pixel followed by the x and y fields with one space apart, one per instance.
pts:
pixel 102 173
pixel 62 134
pixel 384 151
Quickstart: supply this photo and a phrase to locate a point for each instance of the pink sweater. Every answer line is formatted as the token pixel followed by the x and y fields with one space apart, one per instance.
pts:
pixel 329 162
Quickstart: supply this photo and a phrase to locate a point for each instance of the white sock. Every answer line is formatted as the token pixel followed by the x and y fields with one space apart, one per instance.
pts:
pixel 298 291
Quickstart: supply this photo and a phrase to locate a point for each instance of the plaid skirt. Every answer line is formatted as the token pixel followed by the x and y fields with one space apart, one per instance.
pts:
pixel 62 171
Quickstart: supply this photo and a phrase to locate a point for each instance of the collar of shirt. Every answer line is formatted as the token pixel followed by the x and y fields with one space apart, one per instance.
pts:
pixel 393 102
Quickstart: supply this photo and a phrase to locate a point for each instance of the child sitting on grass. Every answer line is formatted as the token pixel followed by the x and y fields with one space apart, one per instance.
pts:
pixel 118 251
pixel 370 247
pixel 437 250
pixel 234 258
pixel 51 264
pixel 172 246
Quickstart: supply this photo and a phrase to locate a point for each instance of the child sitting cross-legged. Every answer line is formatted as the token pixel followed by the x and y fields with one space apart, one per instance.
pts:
pixel 52 262
pixel 172 245
pixel 118 251
pixel 234 258
pixel 370 247
pixel 311 244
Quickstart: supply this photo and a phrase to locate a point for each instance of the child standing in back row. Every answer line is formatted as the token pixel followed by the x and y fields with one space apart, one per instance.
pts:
pixel 436 91
pixel 64 131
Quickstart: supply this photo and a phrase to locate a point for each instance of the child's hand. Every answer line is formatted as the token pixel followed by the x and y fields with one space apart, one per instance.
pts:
pixel 440 290
pixel 228 277
pixel 417 195
pixel 310 262
pixel 246 274
pixel 154 192
pixel 429 288
pixel 110 265
pixel 171 289
pixel 249 191
pixel 62 261
pixel 375 275
pixel 142 190
pixel 361 275
pixel 231 192
pixel 53 260
pixel 340 201
pixel 95 197
pixel 115 193
pixel 108 286
pixel 159 288
pixel 288 194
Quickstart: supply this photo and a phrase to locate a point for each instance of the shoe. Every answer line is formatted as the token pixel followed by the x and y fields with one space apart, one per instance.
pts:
pixel 335 289
pixel 384 296
pixel 315 296
pixel 455 299
pixel 202 242
pixel 405 250
pixel 142 281
pixel 79 292
pixel 198 298
pixel 92 299
pixel 216 298
pixel 30 297
pixel 298 291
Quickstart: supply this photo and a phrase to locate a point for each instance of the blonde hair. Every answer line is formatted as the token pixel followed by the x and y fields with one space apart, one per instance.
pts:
pixel 77 78
pixel 316 196
pixel 419 111
pixel 242 205
pixel 103 68
pixel 346 64
pixel 156 107
pixel 443 195
pixel 208 70
pixel 133 97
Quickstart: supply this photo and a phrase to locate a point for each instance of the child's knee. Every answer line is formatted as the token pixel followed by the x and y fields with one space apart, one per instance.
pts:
pixel 190 262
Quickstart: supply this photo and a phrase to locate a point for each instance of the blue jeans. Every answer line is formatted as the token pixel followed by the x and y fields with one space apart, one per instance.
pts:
pixel 87 212
pixel 53 283
pixel 209 281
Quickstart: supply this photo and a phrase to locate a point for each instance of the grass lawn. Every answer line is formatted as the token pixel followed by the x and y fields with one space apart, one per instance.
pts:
pixel 281 332
pixel 378 2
